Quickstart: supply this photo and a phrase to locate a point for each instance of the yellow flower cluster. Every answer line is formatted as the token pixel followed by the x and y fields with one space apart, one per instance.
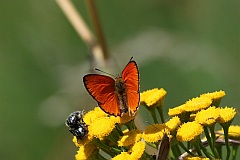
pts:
pixel 102 133
pixel 202 114
pixel 188 121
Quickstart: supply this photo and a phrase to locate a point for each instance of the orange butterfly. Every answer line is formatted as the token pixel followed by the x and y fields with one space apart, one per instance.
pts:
pixel 118 96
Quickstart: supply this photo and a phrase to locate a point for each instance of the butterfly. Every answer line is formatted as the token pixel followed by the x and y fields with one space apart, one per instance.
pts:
pixel 163 148
pixel 116 96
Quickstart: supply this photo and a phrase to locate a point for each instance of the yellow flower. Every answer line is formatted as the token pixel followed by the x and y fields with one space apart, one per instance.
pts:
pixel 79 142
pixel 189 131
pixel 130 138
pixel 137 150
pixel 173 123
pixel 125 118
pixel 85 151
pixel 197 104
pixel 154 133
pixel 215 96
pixel 93 115
pixel 102 127
pixel 226 114
pixel 152 97
pixel 177 110
pixel 207 117
pixel 123 155
pixel 195 158
pixel 233 132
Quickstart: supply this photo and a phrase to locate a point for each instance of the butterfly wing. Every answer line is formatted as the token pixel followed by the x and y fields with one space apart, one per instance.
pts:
pixel 163 148
pixel 102 89
pixel 130 76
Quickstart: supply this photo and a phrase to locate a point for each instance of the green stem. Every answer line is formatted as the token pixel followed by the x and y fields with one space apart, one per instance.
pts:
pixel 208 137
pixel 119 130
pixel 174 146
pixel 109 150
pixel 184 148
pixel 160 111
pixel 205 151
pixel 213 138
pixel 225 129
pixel 131 125
pixel 195 143
pixel 175 150
pixel 112 139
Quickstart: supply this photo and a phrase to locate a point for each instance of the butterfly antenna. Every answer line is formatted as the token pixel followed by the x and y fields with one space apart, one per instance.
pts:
pixel 131 58
pixel 104 72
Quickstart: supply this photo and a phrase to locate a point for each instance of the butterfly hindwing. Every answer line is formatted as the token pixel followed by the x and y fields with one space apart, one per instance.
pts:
pixel 130 76
pixel 102 89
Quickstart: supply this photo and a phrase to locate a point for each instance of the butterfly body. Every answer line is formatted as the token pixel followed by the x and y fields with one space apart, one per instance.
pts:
pixel 120 90
pixel 116 96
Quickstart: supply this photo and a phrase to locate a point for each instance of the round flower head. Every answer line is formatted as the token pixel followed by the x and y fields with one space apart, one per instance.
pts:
pixel 215 96
pixel 123 155
pixel 137 150
pixel 233 132
pixel 154 133
pixel 195 158
pixel 85 151
pixel 177 110
pixel 93 115
pixel 102 127
pixel 189 131
pixel 130 138
pixel 197 104
pixel 152 97
pixel 207 117
pixel 226 114
pixel 173 123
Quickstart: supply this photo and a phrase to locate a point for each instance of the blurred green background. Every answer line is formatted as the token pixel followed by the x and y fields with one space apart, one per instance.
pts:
pixel 186 47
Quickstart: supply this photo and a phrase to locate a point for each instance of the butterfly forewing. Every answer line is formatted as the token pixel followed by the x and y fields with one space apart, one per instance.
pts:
pixel 102 89
pixel 130 76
